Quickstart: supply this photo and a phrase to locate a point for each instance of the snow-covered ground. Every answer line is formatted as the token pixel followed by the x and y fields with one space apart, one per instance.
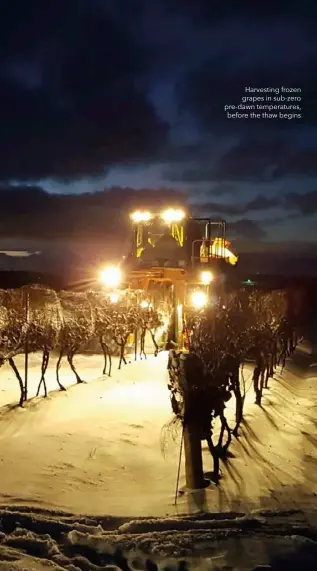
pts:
pixel 40 541
pixel 97 447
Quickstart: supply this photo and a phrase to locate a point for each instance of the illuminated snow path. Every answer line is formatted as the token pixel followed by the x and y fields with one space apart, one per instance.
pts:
pixel 96 448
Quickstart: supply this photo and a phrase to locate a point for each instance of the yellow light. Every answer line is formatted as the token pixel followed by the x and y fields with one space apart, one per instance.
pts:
pixel 114 297
pixel 172 215
pixel 199 299
pixel 111 276
pixel 141 216
pixel 206 278
pixel 144 304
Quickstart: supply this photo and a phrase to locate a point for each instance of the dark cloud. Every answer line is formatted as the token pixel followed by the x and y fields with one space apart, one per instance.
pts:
pixel 262 203
pixel 251 160
pixel 248 229
pixel 189 175
pixel 258 203
pixel 69 101
pixel 302 162
pixel 305 204
pixel 272 221
pixel 33 213
pixel 210 12
pixel 223 188
pixel 182 153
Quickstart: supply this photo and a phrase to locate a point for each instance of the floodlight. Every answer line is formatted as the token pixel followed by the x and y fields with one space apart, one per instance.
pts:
pixel 172 215
pixel 141 216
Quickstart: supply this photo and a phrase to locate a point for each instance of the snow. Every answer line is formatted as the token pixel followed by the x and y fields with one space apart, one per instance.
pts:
pixel 53 541
pixel 97 447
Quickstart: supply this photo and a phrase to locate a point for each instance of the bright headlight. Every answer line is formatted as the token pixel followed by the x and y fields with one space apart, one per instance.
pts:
pixel 206 278
pixel 199 299
pixel 111 276
pixel 114 297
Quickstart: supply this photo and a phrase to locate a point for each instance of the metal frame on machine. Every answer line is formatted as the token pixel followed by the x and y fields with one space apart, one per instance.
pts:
pixel 177 231
pixel 208 239
pixel 141 279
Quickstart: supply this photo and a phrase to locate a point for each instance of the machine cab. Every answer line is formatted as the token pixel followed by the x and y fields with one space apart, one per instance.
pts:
pixel 175 240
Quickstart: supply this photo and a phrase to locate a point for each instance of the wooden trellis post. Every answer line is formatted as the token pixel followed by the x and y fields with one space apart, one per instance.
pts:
pixel 192 439
pixel 26 343
pixel 136 345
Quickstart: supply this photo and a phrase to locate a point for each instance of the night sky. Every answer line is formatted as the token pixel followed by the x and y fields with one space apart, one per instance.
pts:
pixel 130 94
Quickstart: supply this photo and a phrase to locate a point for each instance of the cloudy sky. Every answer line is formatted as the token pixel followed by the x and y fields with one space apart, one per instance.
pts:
pixel 129 95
